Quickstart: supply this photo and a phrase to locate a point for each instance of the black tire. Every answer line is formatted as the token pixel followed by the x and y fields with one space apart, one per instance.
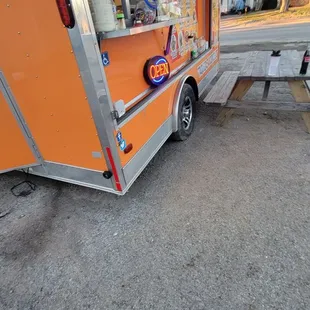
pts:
pixel 186 114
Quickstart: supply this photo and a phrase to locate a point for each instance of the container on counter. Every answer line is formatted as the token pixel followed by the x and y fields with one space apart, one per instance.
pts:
pixel 104 14
pixel 138 23
pixel 168 9
pixel 145 12
pixel 194 50
pixel 115 14
pixel 305 62
pixel 274 63
pixel 121 24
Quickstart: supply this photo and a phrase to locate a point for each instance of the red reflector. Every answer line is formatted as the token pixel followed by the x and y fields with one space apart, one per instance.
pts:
pixel 128 148
pixel 117 181
pixel 66 14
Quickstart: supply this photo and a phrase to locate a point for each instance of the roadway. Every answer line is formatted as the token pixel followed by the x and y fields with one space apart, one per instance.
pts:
pixel 279 33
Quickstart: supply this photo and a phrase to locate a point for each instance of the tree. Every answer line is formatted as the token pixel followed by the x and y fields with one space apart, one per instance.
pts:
pixel 284 5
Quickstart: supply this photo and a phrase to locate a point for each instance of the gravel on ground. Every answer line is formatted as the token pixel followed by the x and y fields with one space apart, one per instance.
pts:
pixel 220 221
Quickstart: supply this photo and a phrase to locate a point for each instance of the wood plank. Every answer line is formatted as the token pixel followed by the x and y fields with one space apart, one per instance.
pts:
pixel 238 93
pixel 301 94
pixel 248 65
pixel 286 66
pixel 270 105
pixel 261 64
pixel 300 91
pixel 221 91
pixel 241 89
pixel 296 60
pixel 216 89
pixel 266 90
pixel 251 64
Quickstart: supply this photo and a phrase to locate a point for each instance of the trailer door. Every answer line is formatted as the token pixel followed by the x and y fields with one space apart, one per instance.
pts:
pixel 16 149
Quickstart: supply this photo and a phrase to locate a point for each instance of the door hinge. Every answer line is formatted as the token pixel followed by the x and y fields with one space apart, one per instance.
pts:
pixel 115 115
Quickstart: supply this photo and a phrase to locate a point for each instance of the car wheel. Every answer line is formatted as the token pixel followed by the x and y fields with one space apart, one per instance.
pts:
pixel 186 114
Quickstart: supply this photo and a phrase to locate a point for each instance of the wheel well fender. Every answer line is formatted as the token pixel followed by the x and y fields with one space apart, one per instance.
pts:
pixel 185 80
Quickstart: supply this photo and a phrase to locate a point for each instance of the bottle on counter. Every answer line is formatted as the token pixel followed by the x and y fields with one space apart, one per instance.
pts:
pixel 115 13
pixel 194 51
pixel 305 62
pixel 121 24
pixel 274 63
pixel 104 15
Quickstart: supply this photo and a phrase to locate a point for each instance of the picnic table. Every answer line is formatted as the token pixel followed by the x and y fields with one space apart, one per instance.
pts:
pixel 232 86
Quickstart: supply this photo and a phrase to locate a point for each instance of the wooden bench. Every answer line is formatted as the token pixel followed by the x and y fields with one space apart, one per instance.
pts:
pixel 222 89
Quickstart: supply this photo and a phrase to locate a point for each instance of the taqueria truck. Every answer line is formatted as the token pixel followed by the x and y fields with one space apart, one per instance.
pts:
pixel 91 89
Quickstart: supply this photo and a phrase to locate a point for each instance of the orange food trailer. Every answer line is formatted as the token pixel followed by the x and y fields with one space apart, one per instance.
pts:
pixel 92 108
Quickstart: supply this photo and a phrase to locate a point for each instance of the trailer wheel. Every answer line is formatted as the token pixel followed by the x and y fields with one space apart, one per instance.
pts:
pixel 186 114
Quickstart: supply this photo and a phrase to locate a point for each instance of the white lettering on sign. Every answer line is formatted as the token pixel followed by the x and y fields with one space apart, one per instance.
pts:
pixel 207 63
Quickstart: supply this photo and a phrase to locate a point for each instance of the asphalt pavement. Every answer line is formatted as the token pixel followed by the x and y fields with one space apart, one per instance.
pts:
pixel 278 33
pixel 221 221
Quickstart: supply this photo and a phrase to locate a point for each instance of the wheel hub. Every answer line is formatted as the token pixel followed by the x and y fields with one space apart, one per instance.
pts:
pixel 187 112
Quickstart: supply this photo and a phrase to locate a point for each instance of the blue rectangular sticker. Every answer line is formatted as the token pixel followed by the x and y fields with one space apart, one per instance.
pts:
pixel 105 59
pixel 119 137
